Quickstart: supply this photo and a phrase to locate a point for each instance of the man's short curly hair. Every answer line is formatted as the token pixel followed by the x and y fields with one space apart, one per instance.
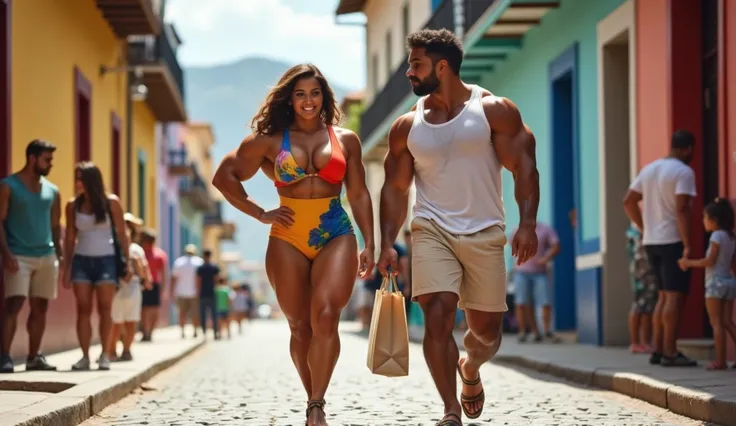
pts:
pixel 439 44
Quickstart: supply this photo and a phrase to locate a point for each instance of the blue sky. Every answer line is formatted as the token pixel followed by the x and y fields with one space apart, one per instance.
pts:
pixel 220 31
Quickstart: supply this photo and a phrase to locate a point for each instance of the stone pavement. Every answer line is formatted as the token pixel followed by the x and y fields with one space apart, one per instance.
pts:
pixel 692 392
pixel 250 380
pixel 66 397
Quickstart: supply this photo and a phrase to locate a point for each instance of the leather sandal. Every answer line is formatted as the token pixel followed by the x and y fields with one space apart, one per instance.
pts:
pixel 471 400
pixel 311 405
pixel 450 419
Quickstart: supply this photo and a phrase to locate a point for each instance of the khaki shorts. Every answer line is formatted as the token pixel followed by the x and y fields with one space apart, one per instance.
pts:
pixel 471 266
pixel 189 307
pixel 36 277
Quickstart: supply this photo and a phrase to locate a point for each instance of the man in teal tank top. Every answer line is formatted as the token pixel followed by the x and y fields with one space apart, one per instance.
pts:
pixel 30 211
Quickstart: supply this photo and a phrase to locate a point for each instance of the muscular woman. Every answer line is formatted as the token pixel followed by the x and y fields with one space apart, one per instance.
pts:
pixel 312 256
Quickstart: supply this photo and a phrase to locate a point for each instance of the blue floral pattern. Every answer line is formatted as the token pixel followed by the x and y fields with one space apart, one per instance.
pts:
pixel 332 223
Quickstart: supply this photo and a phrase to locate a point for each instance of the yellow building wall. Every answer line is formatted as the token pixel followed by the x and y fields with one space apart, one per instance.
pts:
pixel 50 39
pixel 144 139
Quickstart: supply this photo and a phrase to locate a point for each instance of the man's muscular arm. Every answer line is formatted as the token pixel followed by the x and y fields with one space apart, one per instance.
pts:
pixel 516 150
pixel 399 169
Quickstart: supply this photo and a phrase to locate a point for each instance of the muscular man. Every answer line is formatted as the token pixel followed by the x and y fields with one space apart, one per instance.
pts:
pixel 453 143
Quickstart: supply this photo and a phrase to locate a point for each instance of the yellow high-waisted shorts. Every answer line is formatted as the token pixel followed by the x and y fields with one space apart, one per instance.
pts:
pixel 317 221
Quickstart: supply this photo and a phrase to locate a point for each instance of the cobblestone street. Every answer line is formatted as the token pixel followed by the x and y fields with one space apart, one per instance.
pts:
pixel 250 380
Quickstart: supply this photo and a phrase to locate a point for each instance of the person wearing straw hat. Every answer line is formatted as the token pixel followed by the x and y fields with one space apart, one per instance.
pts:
pixel 126 306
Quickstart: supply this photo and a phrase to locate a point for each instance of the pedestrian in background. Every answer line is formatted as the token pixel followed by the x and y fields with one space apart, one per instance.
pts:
pixel 30 247
pixel 126 306
pixel 532 287
pixel 665 187
pixel 208 274
pixel 94 220
pixel 645 288
pixel 158 262
pixel 184 287
pixel 224 296
pixel 241 305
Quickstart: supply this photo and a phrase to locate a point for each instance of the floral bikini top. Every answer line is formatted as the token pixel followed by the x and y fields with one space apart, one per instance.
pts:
pixel 288 172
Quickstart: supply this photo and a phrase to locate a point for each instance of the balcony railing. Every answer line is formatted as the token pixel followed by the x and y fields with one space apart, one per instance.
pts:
pixel 195 190
pixel 178 164
pixel 162 74
pixel 166 53
pixel 214 217
pixel 443 17
pixel 397 88
pixel 473 10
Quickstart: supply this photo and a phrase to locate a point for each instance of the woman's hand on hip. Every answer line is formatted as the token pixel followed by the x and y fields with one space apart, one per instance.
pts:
pixel 283 215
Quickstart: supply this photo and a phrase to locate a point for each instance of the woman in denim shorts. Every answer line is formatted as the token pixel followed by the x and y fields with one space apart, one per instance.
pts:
pixel 92 217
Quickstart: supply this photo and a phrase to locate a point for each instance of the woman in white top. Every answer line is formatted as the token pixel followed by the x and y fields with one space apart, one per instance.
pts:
pixel 93 217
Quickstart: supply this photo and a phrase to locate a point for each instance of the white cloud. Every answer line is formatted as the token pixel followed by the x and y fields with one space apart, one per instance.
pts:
pixel 216 31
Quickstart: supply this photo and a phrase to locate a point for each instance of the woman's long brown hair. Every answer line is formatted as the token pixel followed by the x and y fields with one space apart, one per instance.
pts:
pixel 276 114
pixel 94 190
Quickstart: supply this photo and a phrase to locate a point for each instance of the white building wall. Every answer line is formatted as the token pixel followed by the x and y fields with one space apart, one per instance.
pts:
pixel 383 16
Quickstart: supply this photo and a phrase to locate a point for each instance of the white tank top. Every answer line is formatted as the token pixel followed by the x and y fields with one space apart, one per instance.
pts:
pixel 93 239
pixel 457 174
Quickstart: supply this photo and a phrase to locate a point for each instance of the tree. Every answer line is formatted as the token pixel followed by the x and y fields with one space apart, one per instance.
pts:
pixel 353 114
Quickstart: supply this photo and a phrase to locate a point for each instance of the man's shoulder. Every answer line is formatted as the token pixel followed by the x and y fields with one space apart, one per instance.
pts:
pixel 50 184
pixel 675 169
pixel 205 266
pixel 404 122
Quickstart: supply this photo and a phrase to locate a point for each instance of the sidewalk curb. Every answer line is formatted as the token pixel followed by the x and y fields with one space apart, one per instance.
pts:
pixel 696 405
pixel 79 403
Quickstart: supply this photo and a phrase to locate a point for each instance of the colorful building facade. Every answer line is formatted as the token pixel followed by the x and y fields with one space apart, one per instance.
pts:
pixel 77 97
pixel 603 84
pixel 692 44
pixel 195 198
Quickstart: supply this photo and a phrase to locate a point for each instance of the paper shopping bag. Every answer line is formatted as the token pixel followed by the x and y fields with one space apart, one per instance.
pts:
pixel 388 341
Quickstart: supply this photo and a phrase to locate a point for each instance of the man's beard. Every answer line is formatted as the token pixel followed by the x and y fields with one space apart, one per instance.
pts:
pixel 426 86
pixel 42 172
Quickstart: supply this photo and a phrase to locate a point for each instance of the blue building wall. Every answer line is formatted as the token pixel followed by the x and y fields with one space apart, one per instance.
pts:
pixel 526 77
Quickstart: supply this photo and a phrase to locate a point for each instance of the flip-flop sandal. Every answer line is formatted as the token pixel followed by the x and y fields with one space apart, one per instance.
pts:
pixel 470 400
pixel 450 420
pixel 311 405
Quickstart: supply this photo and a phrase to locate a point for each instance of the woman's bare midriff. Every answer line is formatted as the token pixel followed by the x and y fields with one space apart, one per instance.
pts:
pixel 309 188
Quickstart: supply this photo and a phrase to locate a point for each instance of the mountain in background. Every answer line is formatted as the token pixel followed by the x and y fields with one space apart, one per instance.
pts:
pixel 228 96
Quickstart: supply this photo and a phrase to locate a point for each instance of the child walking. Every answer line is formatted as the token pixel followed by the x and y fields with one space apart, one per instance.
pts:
pixel 224 296
pixel 720 284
